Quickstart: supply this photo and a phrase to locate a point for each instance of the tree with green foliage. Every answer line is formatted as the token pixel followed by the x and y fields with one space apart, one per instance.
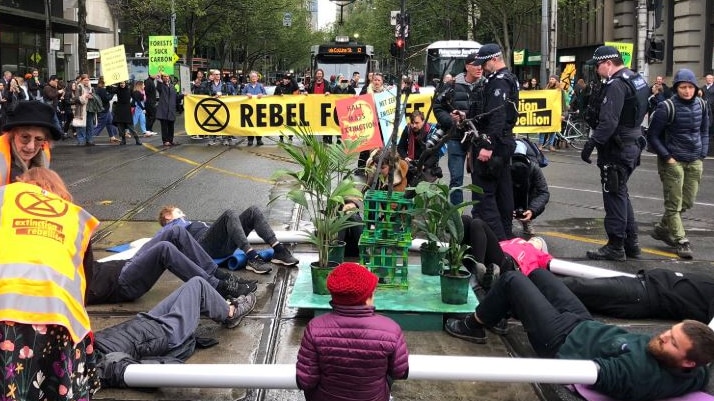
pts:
pixel 235 35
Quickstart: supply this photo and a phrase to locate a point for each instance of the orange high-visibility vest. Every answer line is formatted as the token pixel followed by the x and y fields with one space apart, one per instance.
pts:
pixel 43 239
pixel 6 158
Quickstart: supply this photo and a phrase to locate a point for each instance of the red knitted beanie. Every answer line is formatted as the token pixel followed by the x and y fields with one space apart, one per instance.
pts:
pixel 351 284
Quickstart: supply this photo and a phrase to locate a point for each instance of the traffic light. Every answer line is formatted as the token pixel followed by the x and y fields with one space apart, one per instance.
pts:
pixel 401 33
pixel 654 51
pixel 397 47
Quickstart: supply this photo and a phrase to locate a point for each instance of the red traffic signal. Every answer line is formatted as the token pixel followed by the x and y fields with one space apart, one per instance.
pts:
pixel 396 49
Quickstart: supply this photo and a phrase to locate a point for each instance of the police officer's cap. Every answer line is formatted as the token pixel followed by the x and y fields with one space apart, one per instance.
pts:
pixel 485 53
pixel 604 53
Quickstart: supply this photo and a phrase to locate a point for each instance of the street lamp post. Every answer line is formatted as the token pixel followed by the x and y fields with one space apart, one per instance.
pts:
pixel 342 4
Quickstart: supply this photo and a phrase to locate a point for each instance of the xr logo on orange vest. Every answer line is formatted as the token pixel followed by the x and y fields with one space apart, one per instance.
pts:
pixel 41 205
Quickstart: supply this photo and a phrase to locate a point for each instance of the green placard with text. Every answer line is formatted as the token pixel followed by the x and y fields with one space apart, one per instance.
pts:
pixel 161 55
pixel 625 50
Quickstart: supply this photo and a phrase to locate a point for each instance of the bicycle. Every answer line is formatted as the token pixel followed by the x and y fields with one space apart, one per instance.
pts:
pixel 575 133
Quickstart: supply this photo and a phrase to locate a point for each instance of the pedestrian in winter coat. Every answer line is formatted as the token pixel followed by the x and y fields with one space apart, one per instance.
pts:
pixel 123 119
pixel 166 110
pixel 351 353
pixel 680 137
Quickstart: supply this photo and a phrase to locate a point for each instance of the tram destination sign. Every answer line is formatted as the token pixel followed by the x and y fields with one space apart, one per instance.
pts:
pixel 343 49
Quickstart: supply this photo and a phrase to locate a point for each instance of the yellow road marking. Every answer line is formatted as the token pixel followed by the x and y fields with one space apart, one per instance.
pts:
pixel 220 170
pixel 601 242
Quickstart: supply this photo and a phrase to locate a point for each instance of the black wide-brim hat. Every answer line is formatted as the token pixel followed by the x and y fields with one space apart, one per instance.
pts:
pixel 33 113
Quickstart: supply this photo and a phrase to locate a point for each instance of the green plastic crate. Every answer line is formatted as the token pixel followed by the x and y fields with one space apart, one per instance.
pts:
pixel 387 213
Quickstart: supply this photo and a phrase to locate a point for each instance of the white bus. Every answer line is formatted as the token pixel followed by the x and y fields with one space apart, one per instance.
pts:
pixel 342 57
pixel 446 57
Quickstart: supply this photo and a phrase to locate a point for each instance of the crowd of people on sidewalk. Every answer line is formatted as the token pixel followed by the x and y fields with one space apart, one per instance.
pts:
pixel 83 110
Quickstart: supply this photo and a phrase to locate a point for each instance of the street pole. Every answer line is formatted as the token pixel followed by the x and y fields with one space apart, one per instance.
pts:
pixel 51 67
pixel 173 19
pixel 544 26
pixel 642 26
pixel 402 21
pixel 553 56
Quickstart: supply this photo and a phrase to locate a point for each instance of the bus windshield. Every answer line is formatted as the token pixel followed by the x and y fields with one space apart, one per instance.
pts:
pixel 345 59
pixel 447 57
pixel 345 66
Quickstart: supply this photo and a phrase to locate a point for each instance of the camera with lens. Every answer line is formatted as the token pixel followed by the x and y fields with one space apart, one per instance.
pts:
pixel 520 213
pixel 435 138
pixel 445 95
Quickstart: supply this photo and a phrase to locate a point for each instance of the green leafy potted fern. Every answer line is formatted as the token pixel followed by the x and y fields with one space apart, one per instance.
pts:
pixel 322 185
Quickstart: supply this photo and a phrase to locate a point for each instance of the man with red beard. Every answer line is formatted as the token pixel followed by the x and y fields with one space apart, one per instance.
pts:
pixel 631 366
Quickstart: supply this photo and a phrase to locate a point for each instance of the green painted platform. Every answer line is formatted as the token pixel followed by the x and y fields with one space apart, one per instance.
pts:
pixel 417 309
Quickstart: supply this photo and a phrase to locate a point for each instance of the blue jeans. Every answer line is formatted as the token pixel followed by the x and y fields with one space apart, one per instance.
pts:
pixel 140 118
pixel 546 139
pixel 457 160
pixel 56 121
pixel 85 134
pixel 104 119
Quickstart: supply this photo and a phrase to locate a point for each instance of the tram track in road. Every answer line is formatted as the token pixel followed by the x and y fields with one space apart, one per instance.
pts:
pixel 113 168
pixel 107 229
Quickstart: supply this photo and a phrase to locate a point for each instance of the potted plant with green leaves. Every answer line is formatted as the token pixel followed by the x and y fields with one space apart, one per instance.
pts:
pixel 440 222
pixel 429 202
pixel 322 185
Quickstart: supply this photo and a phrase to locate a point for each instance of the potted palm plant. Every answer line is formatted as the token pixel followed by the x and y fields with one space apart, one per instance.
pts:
pixel 323 183
pixel 440 222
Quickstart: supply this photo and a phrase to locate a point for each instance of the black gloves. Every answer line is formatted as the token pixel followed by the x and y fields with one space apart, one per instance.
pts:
pixel 587 151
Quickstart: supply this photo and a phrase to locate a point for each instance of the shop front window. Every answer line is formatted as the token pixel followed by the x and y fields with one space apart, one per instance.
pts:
pixel 8 59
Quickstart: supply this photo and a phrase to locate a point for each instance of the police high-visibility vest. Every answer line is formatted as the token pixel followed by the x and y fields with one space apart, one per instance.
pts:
pixel 6 158
pixel 42 243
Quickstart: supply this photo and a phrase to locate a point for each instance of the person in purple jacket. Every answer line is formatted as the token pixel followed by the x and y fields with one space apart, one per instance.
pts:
pixel 351 353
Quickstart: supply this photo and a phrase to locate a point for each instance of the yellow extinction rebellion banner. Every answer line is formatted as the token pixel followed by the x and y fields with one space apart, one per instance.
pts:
pixel 539 111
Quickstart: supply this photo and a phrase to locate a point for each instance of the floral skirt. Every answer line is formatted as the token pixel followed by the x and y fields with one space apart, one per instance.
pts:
pixel 40 362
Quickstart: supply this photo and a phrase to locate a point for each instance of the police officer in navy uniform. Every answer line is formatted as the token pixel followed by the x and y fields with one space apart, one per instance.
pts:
pixel 492 148
pixel 618 138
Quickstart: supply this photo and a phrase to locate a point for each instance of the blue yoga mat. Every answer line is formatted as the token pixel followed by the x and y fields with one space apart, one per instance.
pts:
pixel 238 260
pixel 119 248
